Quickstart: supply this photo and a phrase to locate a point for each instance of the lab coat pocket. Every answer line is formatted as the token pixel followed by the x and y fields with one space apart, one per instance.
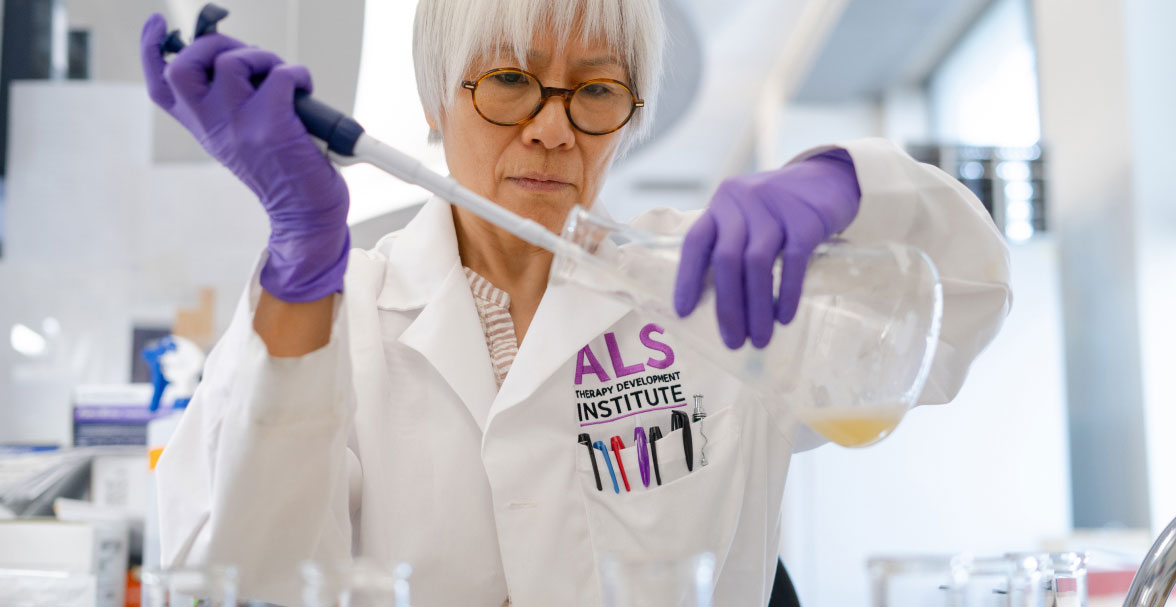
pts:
pixel 690 513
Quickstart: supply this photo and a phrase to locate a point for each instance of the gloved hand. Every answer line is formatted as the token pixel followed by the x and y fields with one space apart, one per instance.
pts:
pixel 255 133
pixel 754 220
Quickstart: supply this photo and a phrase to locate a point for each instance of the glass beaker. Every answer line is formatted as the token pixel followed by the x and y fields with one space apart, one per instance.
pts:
pixel 1067 579
pixel 957 581
pixel 360 583
pixel 1064 577
pixel 850 364
pixel 212 586
pixel 685 582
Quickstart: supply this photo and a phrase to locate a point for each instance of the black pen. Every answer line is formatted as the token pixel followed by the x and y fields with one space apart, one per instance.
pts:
pixel 654 435
pixel 587 442
pixel 678 419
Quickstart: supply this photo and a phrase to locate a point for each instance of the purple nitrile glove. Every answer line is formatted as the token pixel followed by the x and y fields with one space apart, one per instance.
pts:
pixel 754 220
pixel 253 131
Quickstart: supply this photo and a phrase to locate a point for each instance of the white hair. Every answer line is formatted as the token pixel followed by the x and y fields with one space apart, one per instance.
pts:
pixel 448 35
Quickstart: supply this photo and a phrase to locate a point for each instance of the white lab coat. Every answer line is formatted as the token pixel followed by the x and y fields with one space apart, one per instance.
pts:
pixel 393 442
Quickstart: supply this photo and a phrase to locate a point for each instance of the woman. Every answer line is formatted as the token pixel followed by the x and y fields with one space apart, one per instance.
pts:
pixel 422 401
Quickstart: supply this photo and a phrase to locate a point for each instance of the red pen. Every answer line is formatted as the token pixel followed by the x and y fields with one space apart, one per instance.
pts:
pixel 617 445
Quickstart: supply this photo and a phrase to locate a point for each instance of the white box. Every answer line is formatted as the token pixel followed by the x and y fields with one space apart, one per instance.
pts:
pixel 111 546
pixel 47 545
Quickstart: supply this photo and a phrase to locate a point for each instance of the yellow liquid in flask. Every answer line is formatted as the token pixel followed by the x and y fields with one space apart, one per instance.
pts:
pixel 854 426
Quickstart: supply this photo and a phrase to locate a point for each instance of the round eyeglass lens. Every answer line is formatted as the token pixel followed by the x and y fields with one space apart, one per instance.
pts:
pixel 600 107
pixel 507 96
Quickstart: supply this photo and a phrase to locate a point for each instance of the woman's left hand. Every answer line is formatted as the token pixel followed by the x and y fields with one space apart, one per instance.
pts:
pixel 752 221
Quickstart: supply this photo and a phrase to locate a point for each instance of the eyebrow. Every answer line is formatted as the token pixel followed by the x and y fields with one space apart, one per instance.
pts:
pixel 541 57
pixel 599 61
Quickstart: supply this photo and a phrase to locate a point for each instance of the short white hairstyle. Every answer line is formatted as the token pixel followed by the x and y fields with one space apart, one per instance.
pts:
pixel 448 35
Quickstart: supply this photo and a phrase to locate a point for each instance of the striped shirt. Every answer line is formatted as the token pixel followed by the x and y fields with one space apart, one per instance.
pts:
pixel 494 311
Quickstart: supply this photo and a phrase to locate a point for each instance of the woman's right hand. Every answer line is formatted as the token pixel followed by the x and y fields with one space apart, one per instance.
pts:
pixel 253 131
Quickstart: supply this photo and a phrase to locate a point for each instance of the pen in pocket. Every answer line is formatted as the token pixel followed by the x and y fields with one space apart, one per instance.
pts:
pixel 617 445
pixel 679 420
pixel 642 453
pixel 655 435
pixel 608 463
pixel 587 442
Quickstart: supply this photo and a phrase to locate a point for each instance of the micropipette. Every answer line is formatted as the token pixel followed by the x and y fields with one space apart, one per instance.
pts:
pixel 347 144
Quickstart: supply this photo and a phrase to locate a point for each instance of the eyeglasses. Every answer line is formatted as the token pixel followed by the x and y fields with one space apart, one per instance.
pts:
pixel 509 96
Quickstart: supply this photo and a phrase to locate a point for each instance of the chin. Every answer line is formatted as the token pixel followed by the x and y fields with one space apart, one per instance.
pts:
pixel 548 212
pixel 553 217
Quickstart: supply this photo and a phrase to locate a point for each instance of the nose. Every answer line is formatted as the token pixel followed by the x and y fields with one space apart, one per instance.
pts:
pixel 551 127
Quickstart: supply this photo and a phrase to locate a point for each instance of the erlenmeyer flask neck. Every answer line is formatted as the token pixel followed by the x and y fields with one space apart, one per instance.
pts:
pixel 640 266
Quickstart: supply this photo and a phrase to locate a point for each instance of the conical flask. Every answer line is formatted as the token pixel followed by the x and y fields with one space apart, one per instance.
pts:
pixel 850 364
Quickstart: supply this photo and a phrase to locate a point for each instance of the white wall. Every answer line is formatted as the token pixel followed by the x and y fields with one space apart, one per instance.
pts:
pixel 906 115
pixel 324 36
pixel 100 238
pixel 1094 200
pixel 803 126
pixel 388 107
pixel 114 34
pixel 985 91
pixel 1151 76
pixel 76 156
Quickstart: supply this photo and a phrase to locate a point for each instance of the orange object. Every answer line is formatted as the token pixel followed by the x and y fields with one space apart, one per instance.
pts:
pixel 153 457
pixel 134 588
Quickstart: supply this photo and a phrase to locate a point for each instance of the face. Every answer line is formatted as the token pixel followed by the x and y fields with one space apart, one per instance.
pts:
pixel 542 168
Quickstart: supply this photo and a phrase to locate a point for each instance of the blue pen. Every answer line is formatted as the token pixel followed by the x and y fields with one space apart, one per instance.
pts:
pixel 608 464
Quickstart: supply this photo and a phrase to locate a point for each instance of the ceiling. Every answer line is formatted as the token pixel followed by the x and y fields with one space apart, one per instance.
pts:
pixel 882 44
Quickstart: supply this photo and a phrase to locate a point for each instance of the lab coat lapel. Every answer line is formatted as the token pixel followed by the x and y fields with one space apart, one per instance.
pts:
pixel 568 317
pixel 449 335
pixel 424 272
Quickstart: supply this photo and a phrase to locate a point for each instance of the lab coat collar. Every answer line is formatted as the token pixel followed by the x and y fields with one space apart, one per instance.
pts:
pixel 423 271
pixel 568 318
pixel 448 333
pixel 420 257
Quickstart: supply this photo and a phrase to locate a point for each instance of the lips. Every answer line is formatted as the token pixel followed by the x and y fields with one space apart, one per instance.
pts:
pixel 539 182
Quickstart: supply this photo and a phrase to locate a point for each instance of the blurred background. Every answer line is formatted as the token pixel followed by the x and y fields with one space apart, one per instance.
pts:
pixel 116 229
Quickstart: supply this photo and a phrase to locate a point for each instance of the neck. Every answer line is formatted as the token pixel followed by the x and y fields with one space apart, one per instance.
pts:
pixel 515 266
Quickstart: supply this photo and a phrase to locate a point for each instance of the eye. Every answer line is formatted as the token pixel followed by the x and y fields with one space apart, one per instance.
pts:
pixel 598 90
pixel 511 79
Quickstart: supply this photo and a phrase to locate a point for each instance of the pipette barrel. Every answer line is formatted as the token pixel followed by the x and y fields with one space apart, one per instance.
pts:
pixel 372 151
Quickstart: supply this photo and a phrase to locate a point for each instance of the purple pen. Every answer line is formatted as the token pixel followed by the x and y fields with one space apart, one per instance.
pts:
pixel 642 452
